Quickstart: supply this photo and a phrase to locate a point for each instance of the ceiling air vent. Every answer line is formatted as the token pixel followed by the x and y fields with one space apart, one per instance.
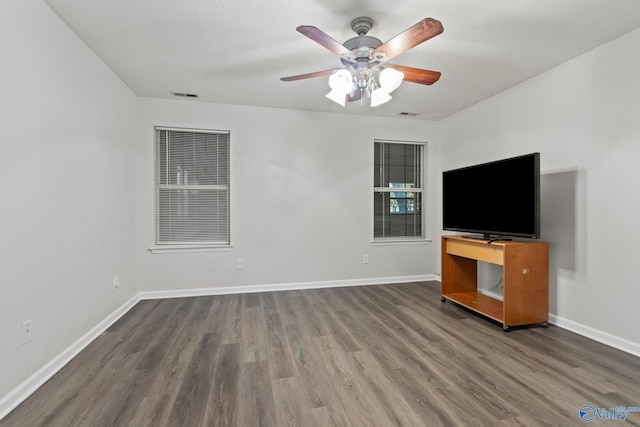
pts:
pixel 184 94
pixel 404 113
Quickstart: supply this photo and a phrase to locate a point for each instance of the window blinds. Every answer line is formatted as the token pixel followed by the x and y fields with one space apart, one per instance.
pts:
pixel 192 186
pixel 398 188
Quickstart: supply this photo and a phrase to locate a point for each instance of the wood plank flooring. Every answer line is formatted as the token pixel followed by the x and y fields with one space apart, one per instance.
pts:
pixel 390 355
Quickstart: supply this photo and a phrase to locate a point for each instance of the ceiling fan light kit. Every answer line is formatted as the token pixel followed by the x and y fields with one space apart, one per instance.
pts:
pixel 365 72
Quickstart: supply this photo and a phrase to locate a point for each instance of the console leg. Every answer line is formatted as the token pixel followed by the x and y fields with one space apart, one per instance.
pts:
pixel 443 299
pixel 506 328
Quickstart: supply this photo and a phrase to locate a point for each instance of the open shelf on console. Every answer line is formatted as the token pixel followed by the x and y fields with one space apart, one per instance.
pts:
pixel 478 302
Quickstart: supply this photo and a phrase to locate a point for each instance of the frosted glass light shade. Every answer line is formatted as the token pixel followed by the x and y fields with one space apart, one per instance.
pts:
pixel 340 83
pixel 379 97
pixel 337 96
pixel 390 79
pixel 341 80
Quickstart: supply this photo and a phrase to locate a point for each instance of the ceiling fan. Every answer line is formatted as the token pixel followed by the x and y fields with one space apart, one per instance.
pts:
pixel 366 72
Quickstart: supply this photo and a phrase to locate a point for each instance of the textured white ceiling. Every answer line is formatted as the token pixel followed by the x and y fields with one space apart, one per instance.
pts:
pixel 235 51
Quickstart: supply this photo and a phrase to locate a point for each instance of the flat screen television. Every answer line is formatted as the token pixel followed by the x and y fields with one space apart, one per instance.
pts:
pixel 497 200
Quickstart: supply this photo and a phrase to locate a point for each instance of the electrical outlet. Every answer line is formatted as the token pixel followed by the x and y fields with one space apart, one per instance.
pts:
pixel 116 281
pixel 240 264
pixel 27 331
pixel 365 259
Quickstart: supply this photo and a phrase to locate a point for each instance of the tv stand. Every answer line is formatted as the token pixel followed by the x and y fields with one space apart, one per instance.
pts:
pixel 525 299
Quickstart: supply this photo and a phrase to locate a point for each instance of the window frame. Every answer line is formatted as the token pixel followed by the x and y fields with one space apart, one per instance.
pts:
pixel 189 246
pixel 421 189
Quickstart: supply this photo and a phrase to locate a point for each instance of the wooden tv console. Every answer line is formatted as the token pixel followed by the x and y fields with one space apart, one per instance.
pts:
pixel 525 267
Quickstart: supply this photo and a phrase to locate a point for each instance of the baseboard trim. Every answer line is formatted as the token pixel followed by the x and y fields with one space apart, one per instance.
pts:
pixel 228 290
pixel 9 402
pixel 596 334
pixel 18 395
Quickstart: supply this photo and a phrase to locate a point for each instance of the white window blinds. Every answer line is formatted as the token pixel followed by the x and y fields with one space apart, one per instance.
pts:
pixel 192 186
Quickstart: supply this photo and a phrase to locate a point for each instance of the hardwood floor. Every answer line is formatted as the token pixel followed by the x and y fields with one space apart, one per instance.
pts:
pixel 390 355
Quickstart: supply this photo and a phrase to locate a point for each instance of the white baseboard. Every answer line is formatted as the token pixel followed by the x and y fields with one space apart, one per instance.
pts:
pixel 31 384
pixel 9 402
pixel 596 334
pixel 228 290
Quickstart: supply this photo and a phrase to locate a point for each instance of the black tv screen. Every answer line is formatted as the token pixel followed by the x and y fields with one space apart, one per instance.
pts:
pixel 500 198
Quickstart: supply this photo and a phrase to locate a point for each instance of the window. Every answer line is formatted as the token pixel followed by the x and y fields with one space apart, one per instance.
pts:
pixel 398 190
pixel 192 186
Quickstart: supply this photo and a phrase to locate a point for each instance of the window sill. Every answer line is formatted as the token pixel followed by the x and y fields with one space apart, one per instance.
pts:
pixel 172 249
pixel 400 241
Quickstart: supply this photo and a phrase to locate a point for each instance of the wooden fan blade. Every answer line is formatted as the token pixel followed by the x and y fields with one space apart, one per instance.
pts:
pixel 413 36
pixel 416 75
pixel 323 39
pixel 308 75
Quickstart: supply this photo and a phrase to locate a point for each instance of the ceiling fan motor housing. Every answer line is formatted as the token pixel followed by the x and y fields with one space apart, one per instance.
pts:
pixel 361 62
pixel 361 46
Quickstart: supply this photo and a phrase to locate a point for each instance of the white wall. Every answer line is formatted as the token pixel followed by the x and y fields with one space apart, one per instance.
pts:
pixel 583 118
pixel 301 199
pixel 66 168
pixel 76 163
